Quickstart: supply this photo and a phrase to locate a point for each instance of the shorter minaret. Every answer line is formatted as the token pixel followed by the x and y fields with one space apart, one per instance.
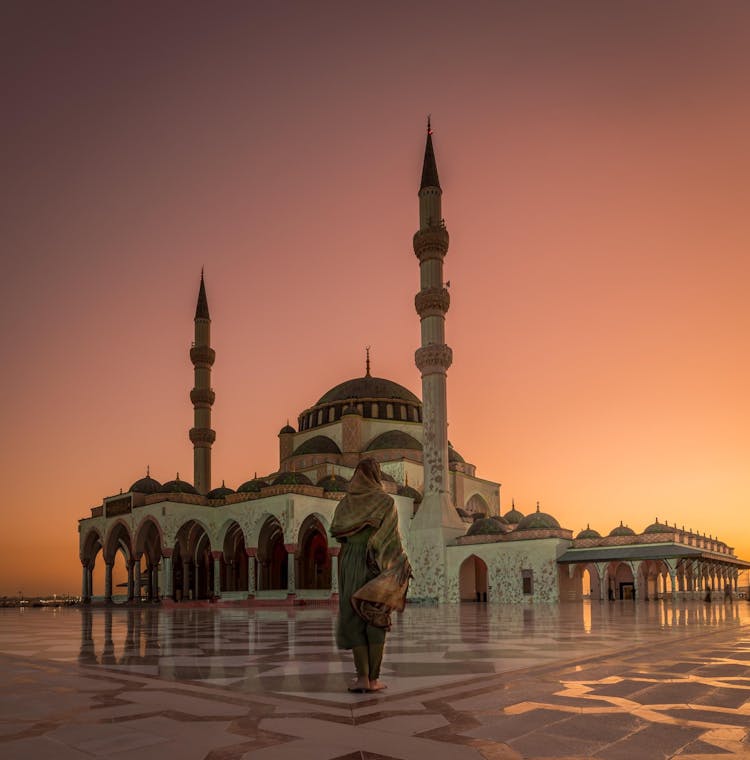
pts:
pixel 202 356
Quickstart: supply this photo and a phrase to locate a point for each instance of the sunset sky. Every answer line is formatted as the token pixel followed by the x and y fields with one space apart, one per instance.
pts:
pixel 595 169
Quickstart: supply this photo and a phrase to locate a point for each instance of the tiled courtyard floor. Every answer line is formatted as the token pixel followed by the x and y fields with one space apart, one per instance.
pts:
pixel 612 680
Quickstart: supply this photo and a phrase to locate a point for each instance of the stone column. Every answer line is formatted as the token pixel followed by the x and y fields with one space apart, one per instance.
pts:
pixel 137 581
pixel 251 561
pixel 673 581
pixel 85 594
pixel 155 582
pixel 108 582
pixel 185 579
pixel 217 573
pixel 291 587
pixel 168 580
pixel 131 565
pixel 602 576
pixel 333 553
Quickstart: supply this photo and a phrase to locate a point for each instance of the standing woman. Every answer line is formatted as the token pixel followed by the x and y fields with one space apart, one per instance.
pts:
pixel 374 572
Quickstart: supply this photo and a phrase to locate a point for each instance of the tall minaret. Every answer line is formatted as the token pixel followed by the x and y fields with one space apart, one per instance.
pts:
pixel 437 522
pixel 202 356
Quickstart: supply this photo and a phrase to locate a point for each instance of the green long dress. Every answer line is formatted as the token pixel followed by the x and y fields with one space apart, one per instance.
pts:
pixel 352 630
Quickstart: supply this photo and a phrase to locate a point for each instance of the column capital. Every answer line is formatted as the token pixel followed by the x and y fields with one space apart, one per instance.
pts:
pixel 251 551
pixel 291 548
pixel 217 555
pixel 334 551
pixel 167 553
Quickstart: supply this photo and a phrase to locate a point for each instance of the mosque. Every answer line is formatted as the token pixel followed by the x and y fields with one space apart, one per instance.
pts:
pixel 268 541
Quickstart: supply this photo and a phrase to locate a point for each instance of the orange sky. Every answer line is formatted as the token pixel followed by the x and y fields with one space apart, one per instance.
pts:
pixel 595 168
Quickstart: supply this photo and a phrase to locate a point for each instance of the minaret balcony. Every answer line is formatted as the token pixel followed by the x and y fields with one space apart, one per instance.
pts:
pixel 433 359
pixel 432 302
pixel 202 396
pixel 202 436
pixel 431 242
pixel 203 356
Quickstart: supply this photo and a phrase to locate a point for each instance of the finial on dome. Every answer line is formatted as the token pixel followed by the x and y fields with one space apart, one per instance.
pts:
pixel 429 124
pixel 406 478
pixel 367 361
pixel 537 507
pixel 178 476
pixel 148 471
pixel 512 503
pixel 222 483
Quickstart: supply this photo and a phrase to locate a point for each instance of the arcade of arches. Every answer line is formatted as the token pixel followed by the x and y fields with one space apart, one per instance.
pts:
pixel 649 579
pixel 193 568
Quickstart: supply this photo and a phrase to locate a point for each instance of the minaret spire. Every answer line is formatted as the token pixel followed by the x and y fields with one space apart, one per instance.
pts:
pixel 429 166
pixel 202 356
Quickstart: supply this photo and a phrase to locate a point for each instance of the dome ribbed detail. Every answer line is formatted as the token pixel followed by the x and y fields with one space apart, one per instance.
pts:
pixel 368 387
pixel 487 526
pixel 589 533
pixel 622 530
pixel 333 483
pixel 291 479
pixel 538 521
pixel 177 486
pixel 395 439
pixel 319 444
pixel 146 486
pixel 252 486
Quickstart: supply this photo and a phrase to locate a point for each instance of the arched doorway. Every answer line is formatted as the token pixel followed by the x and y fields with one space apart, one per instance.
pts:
pixel 118 554
pixel 472 580
pixel 92 546
pixel 192 563
pixel 273 571
pixel 622 582
pixel 234 560
pixel 148 555
pixel 314 568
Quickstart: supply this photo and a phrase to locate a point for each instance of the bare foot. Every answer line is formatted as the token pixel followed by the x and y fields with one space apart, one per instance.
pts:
pixel 377 685
pixel 360 686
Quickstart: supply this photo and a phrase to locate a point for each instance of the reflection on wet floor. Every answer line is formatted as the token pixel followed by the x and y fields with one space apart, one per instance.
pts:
pixel 604 680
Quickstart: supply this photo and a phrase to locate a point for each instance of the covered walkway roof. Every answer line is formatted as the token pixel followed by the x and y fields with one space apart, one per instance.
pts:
pixel 670 550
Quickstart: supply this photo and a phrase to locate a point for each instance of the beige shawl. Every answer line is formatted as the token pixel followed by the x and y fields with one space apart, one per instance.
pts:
pixel 367 504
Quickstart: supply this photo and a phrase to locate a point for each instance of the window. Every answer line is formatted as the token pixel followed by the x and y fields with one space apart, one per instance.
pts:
pixel 527 578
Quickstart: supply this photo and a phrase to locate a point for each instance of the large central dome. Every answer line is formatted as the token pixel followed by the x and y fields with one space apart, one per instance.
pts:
pixel 370 397
pixel 368 387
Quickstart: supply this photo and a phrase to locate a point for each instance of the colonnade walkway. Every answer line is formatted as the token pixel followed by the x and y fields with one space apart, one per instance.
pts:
pixel 592 679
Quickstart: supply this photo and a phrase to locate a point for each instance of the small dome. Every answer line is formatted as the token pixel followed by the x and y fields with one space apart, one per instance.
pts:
pixel 177 486
pixel 513 517
pixel 622 530
pixel 252 486
pixel 287 429
pixel 588 533
pixel 395 439
pixel 291 479
pixel 410 493
pixel 333 483
pixel 146 485
pixel 386 478
pixel 318 444
pixel 538 521
pixel 220 492
pixel 454 456
pixel 485 526
pixel 657 527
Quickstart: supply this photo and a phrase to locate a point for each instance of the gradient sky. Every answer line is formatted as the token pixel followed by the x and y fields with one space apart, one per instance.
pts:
pixel 594 161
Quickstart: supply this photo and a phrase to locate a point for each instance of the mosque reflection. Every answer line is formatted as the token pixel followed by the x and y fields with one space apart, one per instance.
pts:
pixel 244 646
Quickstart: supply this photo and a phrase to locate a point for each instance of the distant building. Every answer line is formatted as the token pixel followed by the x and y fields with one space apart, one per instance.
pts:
pixel 268 540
